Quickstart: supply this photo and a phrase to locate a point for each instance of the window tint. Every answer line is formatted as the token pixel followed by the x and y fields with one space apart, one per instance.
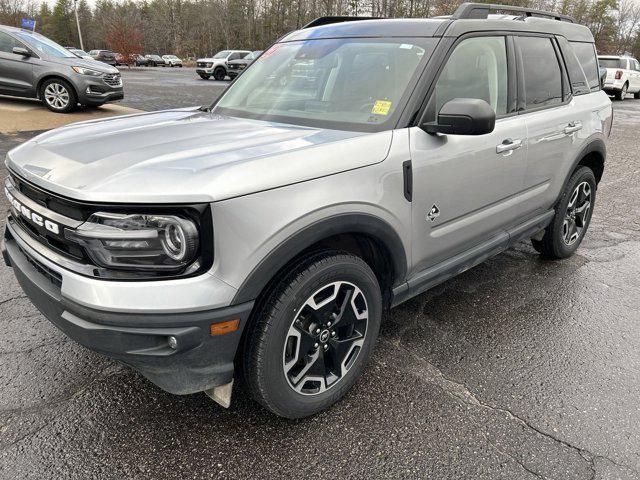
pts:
pixel 577 77
pixel 477 68
pixel 7 43
pixel 542 74
pixel 586 53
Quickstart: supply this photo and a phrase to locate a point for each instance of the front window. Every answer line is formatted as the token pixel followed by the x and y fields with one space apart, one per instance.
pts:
pixel 44 45
pixel 344 83
pixel 222 54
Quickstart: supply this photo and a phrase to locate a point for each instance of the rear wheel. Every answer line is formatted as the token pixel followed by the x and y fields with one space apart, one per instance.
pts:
pixel 58 96
pixel 622 93
pixel 313 335
pixel 219 73
pixel 636 95
pixel 573 214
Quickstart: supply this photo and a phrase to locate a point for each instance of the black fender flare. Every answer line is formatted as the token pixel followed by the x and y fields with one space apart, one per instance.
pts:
pixel 286 251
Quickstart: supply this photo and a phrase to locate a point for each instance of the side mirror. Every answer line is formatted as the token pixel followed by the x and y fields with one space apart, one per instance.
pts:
pixel 463 116
pixel 21 51
pixel 603 76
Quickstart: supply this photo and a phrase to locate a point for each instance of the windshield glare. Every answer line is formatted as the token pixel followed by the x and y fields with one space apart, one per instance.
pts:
pixel 350 83
pixel 222 54
pixel 44 45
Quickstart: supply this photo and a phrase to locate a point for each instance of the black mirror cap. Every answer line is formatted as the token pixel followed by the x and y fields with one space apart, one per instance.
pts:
pixel 21 51
pixel 463 116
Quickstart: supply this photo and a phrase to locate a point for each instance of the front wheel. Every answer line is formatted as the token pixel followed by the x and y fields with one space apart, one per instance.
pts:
pixel 58 96
pixel 636 95
pixel 573 214
pixel 219 73
pixel 204 77
pixel 312 336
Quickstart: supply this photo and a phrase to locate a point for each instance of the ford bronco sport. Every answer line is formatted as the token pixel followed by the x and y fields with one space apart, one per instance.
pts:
pixel 354 165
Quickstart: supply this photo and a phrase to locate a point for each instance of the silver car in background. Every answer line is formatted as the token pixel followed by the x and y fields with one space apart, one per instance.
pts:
pixel 352 166
pixel 33 66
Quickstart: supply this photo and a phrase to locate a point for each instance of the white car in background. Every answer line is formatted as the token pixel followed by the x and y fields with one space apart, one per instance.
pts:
pixel 623 75
pixel 80 53
pixel 172 61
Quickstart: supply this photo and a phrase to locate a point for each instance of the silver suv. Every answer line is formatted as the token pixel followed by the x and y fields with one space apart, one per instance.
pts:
pixel 351 167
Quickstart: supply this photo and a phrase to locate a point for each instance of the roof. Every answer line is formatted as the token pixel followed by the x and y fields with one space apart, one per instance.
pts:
pixel 442 27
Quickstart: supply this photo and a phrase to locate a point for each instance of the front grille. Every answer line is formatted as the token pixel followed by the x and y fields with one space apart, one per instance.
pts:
pixel 113 79
pixel 204 65
pixel 53 276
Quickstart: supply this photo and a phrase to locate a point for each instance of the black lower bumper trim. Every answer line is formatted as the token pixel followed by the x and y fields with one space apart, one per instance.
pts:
pixel 198 362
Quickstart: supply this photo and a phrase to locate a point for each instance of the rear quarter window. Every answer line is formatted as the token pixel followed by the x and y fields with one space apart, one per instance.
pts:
pixel 577 77
pixel 586 54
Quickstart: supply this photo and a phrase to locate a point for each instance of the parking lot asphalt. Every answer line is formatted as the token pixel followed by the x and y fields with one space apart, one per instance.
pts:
pixel 159 88
pixel 517 369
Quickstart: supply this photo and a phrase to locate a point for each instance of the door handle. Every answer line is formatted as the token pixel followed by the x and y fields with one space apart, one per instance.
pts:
pixel 572 127
pixel 508 145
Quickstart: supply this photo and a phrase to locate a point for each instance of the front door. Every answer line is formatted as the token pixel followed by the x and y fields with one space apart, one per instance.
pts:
pixel 468 188
pixel 16 71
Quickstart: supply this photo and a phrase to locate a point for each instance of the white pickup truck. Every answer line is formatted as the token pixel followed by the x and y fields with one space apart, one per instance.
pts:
pixel 623 75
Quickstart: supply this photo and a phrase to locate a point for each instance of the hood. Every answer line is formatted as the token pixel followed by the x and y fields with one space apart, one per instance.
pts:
pixel 208 59
pixel 81 62
pixel 181 156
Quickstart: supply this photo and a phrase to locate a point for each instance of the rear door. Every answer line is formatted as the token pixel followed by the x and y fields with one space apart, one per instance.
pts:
pixel 554 119
pixel 467 188
pixel 16 71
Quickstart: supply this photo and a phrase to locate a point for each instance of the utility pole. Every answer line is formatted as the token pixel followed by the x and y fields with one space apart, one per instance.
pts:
pixel 75 5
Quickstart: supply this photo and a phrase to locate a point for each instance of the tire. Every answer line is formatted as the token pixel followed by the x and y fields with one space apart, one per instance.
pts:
pixel 636 95
pixel 58 95
pixel 219 73
pixel 560 239
pixel 204 77
pixel 622 93
pixel 285 324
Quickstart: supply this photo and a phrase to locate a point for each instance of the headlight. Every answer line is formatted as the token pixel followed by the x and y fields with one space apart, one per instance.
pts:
pixel 138 242
pixel 87 71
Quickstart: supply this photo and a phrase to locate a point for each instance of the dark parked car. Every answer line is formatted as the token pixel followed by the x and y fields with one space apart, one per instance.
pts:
pixel 104 56
pixel 235 67
pixel 156 61
pixel 140 60
pixel 32 66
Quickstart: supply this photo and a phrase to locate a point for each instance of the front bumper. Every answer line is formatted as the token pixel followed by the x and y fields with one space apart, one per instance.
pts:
pixel 199 361
pixel 94 91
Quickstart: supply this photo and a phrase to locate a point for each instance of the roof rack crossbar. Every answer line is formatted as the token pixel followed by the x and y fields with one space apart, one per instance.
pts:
pixel 329 20
pixel 481 11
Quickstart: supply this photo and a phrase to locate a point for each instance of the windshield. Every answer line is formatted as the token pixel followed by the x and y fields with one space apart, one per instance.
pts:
pixel 222 54
pixel 253 55
pixel 171 57
pixel 610 62
pixel 44 45
pixel 344 83
pixel 81 53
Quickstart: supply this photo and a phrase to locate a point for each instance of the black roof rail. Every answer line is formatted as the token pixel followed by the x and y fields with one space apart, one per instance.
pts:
pixel 481 11
pixel 329 20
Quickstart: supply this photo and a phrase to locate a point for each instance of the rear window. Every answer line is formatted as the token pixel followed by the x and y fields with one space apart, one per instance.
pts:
pixel 612 63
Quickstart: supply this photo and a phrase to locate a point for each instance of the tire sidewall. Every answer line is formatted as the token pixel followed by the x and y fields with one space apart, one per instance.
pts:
pixel 217 73
pixel 73 98
pixel 281 396
pixel 562 249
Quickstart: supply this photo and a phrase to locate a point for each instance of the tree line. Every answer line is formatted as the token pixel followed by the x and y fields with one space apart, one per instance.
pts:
pixel 192 28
